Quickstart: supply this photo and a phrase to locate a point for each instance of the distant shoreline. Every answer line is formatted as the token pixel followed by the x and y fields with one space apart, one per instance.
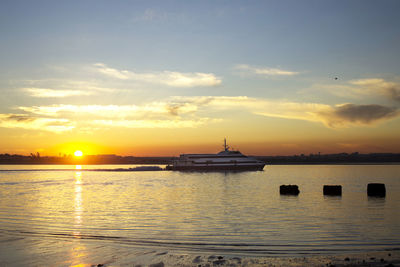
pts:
pixel 270 164
pixel 311 159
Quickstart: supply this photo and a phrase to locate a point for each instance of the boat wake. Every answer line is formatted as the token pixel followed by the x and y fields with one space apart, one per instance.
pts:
pixel 244 249
pixel 139 168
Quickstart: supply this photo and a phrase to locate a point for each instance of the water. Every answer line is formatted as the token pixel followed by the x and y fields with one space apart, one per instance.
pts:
pixel 66 217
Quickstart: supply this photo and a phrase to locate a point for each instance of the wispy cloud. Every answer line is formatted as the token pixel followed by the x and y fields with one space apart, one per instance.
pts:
pixel 114 73
pixel 337 116
pixel 379 86
pixel 62 88
pixel 105 111
pixel 151 115
pixel 48 93
pixel 362 88
pixel 190 112
pixel 155 123
pixel 265 71
pixel 169 78
pixel 33 123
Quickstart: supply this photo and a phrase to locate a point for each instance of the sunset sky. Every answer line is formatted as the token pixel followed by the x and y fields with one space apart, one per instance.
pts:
pixel 150 78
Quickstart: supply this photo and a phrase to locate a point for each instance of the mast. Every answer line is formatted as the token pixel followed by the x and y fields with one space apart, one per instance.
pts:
pixel 226 147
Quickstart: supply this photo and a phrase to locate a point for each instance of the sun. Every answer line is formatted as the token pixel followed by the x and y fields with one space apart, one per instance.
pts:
pixel 78 153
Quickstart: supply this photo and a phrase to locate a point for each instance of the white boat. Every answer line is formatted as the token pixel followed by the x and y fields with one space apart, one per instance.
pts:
pixel 226 160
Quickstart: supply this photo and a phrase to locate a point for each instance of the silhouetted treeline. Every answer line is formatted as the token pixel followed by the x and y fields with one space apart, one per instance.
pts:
pixel 89 159
pixel 342 158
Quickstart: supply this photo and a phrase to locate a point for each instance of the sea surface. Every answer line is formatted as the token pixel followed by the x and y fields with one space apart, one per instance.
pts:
pixel 66 215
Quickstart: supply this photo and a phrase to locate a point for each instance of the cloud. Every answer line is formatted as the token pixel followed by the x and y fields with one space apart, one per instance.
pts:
pixel 154 123
pixel 345 114
pixel 46 93
pixel 105 111
pixel 25 121
pixel 169 78
pixel 265 71
pixel 61 88
pixel 190 112
pixel 259 106
pixel 362 88
pixel 151 115
pixel 114 73
pixel 394 93
pixel 371 82
pixel 338 116
pixel 379 86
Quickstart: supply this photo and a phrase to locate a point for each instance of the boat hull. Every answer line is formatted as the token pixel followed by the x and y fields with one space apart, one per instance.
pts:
pixel 235 168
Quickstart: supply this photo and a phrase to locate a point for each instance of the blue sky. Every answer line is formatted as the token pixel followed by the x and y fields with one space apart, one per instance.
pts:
pixel 186 34
pixel 173 53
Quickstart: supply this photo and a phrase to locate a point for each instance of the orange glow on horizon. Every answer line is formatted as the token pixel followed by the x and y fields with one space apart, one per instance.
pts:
pixel 154 147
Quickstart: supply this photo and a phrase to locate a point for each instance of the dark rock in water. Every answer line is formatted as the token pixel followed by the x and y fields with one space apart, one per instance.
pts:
pixel 376 190
pixel 333 190
pixel 289 190
pixel 197 259
pixel 219 262
pixel 389 265
pixel 211 257
pixel 372 258
pixel 220 257
pixel 160 264
pixel 239 260
pixel 389 254
pixel 347 259
pixel 382 260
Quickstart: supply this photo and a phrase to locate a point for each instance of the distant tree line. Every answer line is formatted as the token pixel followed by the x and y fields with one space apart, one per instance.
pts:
pixel 341 158
pixel 36 158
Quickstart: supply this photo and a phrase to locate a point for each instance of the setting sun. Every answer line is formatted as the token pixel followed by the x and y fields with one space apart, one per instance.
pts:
pixel 78 153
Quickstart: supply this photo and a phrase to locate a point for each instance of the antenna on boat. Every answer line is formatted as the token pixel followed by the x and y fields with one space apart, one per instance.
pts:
pixel 226 147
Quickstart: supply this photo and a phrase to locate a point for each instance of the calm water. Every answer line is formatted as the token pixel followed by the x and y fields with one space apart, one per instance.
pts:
pixel 68 217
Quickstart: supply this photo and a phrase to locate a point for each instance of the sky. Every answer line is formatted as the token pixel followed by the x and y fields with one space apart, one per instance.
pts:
pixel 161 78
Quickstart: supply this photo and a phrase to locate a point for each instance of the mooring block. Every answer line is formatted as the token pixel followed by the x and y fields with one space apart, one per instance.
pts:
pixel 332 190
pixel 289 190
pixel 376 190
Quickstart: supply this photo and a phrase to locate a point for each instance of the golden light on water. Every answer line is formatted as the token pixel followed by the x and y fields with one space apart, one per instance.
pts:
pixel 78 252
pixel 78 202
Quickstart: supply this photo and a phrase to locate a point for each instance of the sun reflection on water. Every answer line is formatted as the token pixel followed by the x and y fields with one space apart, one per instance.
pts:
pixel 78 203
pixel 78 253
